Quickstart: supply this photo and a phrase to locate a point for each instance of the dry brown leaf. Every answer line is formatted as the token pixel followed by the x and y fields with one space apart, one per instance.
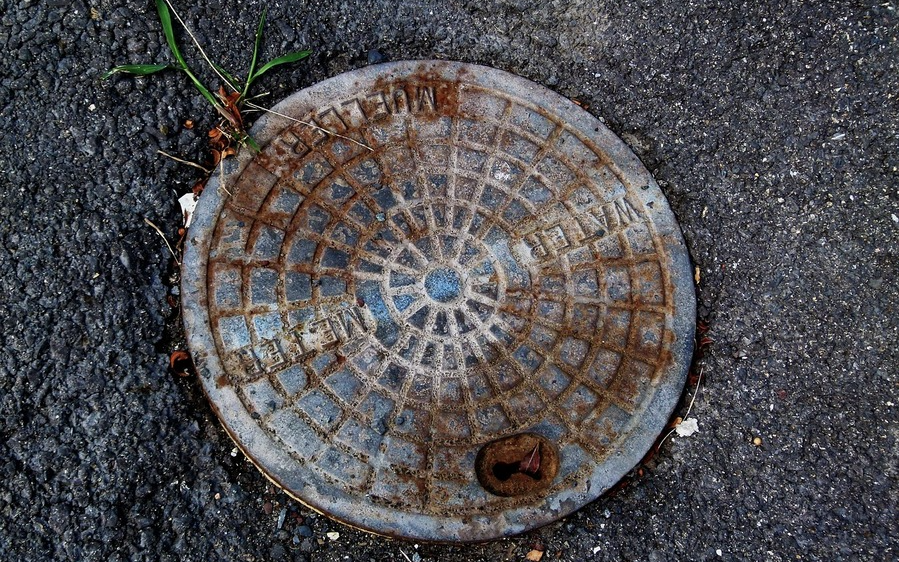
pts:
pixel 229 110
pixel 579 103
pixel 218 139
pixel 534 555
pixel 198 187
pixel 178 355
pixel 179 361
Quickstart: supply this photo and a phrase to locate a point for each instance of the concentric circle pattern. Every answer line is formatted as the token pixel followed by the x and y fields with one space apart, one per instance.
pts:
pixel 425 257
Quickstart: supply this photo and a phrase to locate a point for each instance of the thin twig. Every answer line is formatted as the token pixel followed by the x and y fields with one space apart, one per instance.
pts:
pixel 200 47
pixel 308 124
pixel 695 392
pixel 188 162
pixel 224 132
pixel 156 228
pixel 222 177
pixel 690 407
pixel 405 555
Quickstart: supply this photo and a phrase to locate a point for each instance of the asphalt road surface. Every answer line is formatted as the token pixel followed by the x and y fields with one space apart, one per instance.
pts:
pixel 771 127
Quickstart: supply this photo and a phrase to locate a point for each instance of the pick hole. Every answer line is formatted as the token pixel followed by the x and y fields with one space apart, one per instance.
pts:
pixel 504 470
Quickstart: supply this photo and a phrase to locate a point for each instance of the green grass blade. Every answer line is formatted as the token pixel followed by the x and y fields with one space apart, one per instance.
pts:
pixel 289 57
pixel 256 45
pixel 235 83
pixel 251 142
pixel 165 18
pixel 202 89
pixel 136 69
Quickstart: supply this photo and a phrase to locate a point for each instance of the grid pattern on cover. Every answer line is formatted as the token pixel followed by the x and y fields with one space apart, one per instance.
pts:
pixel 480 272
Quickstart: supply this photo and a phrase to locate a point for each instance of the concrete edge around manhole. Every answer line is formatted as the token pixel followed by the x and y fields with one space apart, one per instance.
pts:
pixel 651 421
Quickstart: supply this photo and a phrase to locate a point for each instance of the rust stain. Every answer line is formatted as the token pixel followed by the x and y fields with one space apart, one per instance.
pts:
pixel 520 465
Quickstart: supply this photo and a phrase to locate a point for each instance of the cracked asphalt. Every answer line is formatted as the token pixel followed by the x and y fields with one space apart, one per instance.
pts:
pixel 770 126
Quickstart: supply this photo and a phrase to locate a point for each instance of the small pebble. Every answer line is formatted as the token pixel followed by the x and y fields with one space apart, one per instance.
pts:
pixel 306 545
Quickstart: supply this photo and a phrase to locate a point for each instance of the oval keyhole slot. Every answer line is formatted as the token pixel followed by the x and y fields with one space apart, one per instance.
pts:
pixel 517 465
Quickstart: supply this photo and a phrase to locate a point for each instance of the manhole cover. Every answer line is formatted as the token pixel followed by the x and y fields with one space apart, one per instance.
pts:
pixel 465 314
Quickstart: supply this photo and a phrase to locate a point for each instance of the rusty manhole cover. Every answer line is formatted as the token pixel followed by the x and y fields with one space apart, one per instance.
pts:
pixel 465 315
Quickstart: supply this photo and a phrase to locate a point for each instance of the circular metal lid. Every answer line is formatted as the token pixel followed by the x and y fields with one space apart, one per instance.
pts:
pixel 442 302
